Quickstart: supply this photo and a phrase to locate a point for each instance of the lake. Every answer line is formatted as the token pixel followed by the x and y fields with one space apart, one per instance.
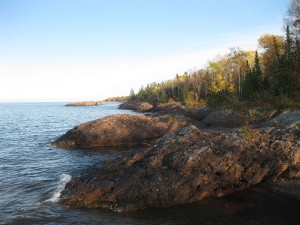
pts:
pixel 32 174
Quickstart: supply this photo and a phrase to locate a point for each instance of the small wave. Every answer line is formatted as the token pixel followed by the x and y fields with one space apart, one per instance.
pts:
pixel 63 180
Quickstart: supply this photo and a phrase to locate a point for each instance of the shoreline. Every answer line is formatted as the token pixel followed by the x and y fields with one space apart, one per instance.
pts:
pixel 86 103
pixel 240 154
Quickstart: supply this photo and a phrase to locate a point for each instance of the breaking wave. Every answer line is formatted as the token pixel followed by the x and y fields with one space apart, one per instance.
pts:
pixel 63 180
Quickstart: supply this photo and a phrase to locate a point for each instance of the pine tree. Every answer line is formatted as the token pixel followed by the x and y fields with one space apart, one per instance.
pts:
pixel 288 45
pixel 248 85
pixel 285 79
pixel 257 75
pixel 274 70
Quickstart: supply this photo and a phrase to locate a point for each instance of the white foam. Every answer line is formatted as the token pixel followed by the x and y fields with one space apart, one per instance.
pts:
pixel 63 180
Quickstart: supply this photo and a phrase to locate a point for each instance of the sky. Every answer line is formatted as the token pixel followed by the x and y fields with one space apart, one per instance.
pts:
pixel 77 50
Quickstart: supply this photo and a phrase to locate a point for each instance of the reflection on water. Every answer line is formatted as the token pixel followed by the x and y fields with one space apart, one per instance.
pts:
pixel 248 207
pixel 32 172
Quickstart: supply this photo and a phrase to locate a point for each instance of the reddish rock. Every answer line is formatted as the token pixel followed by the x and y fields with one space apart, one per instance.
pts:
pixel 118 130
pixel 88 103
pixel 137 106
pixel 186 166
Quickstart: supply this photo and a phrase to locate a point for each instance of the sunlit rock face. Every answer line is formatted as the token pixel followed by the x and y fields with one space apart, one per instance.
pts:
pixel 187 166
pixel 119 130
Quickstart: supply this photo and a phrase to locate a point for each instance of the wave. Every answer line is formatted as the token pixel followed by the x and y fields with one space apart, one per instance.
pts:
pixel 63 180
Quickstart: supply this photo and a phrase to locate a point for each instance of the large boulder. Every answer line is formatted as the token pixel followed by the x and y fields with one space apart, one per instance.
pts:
pixel 118 130
pixel 185 166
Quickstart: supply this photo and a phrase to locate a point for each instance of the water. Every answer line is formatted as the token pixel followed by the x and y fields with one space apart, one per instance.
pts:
pixel 32 174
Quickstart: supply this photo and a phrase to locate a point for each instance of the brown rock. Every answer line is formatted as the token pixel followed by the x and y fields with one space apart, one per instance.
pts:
pixel 182 167
pixel 88 103
pixel 222 118
pixel 137 106
pixel 118 130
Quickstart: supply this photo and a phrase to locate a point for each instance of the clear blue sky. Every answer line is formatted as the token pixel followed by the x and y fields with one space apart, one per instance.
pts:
pixel 38 34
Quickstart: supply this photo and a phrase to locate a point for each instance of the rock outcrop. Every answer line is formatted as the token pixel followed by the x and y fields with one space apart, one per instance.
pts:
pixel 223 118
pixel 119 130
pixel 137 106
pixel 187 166
pixel 286 120
pixel 88 103
pixel 229 118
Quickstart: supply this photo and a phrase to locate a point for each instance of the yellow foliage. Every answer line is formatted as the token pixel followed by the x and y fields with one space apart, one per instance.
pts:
pixel 171 100
pixel 202 102
pixel 191 98
pixel 231 88
pixel 218 84
pixel 216 66
pixel 181 78
pixel 250 57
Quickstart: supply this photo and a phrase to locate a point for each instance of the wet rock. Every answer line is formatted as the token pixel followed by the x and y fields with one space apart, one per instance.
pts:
pixel 290 187
pixel 185 166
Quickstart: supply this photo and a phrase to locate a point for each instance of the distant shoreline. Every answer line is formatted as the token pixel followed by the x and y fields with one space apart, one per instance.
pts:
pixel 86 103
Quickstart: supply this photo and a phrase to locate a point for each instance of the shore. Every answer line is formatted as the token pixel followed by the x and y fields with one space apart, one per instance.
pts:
pixel 86 103
pixel 188 155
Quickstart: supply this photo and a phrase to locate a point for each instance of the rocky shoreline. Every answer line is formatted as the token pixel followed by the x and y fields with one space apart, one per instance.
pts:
pixel 87 103
pixel 119 130
pixel 190 155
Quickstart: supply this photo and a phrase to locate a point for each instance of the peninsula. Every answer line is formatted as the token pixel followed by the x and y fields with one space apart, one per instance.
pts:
pixel 86 103
pixel 188 155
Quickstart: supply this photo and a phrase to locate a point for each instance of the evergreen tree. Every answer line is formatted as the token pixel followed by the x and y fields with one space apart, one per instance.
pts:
pixel 257 75
pixel 248 86
pixel 288 45
pixel 286 67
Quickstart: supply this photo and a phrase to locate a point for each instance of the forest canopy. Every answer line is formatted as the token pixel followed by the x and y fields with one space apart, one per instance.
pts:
pixel 270 72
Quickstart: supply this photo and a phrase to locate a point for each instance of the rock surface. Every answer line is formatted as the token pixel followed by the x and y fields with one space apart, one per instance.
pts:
pixel 286 120
pixel 88 103
pixel 228 118
pixel 137 106
pixel 187 166
pixel 209 116
pixel 223 118
pixel 118 130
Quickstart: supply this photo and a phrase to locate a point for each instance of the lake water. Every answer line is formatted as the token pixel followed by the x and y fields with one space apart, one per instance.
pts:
pixel 32 174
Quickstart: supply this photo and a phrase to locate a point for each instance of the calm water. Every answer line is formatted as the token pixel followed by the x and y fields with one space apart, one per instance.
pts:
pixel 32 174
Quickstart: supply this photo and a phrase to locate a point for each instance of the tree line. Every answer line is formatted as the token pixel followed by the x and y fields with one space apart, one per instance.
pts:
pixel 273 70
